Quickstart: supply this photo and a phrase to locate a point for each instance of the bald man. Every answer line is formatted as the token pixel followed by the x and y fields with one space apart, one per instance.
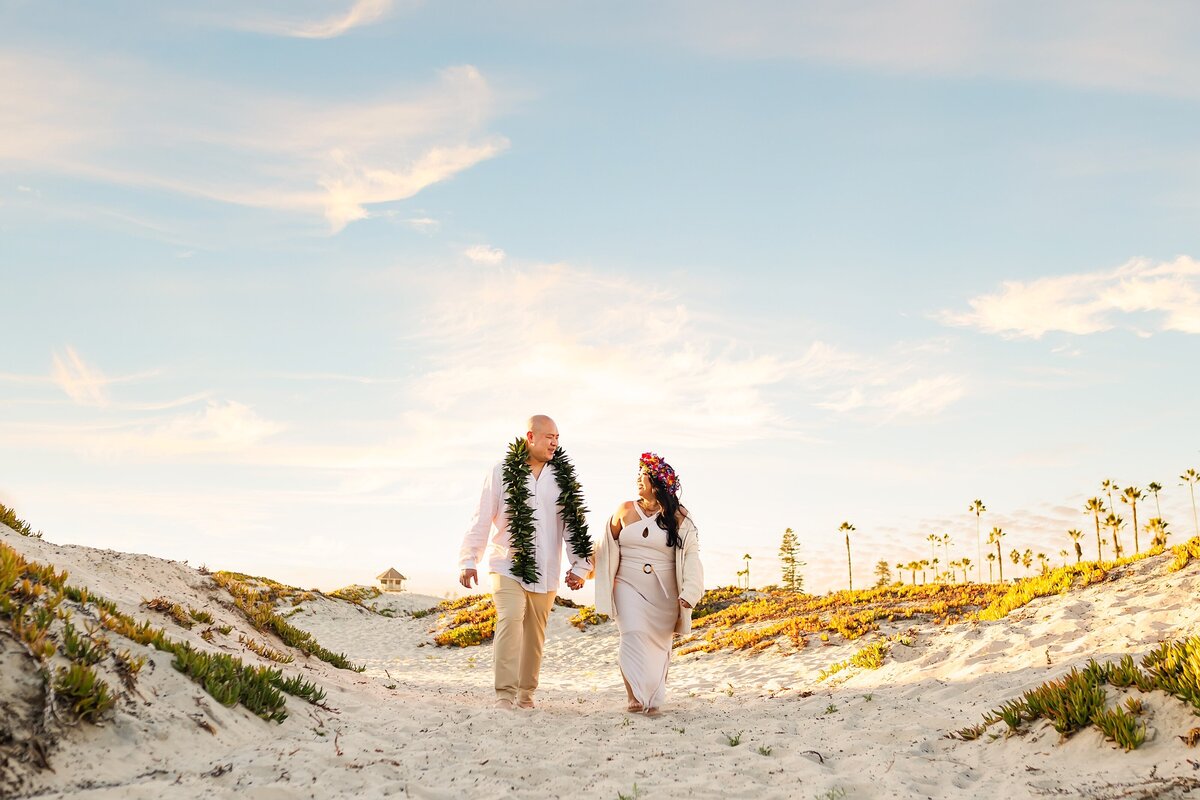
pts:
pixel 521 608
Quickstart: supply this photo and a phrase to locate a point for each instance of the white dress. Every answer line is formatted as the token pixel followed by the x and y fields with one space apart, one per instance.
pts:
pixel 646 601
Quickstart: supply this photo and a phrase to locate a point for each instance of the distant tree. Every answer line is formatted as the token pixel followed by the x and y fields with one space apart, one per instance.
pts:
pixel 924 566
pixel 933 539
pixel 994 538
pixel 744 573
pixel 1064 555
pixel 789 559
pixel 1027 559
pixel 845 528
pixel 913 566
pixel 1131 495
pixel 1015 557
pixel 1096 506
pixel 1115 523
pixel 977 508
pixel 1190 478
pixel 965 564
pixel 1044 562
pixel 1108 486
pixel 1076 535
pixel 991 559
pixel 1154 488
pixel 883 573
pixel 1158 531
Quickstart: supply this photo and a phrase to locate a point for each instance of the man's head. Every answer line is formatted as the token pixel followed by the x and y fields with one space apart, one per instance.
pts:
pixel 541 435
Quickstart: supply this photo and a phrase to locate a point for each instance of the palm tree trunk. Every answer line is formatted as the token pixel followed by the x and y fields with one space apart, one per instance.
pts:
pixel 1192 489
pixel 1000 560
pixel 1136 547
pixel 849 570
pixel 1099 545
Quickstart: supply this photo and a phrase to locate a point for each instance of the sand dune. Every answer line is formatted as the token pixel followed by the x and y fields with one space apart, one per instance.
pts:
pixel 418 722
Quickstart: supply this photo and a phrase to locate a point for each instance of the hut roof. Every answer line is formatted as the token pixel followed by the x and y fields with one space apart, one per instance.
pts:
pixel 391 575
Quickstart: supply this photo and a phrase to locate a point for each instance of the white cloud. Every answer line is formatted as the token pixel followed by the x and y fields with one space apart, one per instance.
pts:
pixel 483 254
pixel 227 425
pixel 84 384
pixel 1139 296
pixel 330 158
pixel 362 12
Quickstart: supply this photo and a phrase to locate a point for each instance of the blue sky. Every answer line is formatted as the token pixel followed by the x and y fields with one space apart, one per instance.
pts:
pixel 283 278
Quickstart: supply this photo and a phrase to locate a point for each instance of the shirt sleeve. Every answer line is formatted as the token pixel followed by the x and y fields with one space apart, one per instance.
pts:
pixel 475 540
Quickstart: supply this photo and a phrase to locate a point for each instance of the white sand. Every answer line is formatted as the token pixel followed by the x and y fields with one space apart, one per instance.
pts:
pixel 418 722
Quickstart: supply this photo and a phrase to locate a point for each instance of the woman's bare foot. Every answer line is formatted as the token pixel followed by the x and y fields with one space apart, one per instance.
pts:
pixel 652 711
pixel 634 707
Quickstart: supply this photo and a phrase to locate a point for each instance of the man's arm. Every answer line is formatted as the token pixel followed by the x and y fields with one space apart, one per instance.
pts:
pixel 475 540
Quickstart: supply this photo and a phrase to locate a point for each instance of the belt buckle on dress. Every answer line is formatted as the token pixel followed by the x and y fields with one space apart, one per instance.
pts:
pixel 647 569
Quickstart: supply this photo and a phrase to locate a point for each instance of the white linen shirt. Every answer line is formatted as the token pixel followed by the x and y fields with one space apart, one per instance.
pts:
pixel 549 531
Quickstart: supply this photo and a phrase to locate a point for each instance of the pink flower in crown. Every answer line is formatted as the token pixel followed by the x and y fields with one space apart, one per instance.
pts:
pixel 661 471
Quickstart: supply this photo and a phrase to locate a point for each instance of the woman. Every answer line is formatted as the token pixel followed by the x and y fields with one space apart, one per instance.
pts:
pixel 648 577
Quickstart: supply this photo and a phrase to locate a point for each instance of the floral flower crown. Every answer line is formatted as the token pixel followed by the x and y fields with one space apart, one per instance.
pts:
pixel 660 471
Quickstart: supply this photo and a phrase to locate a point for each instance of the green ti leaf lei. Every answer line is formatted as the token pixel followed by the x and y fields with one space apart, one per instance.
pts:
pixel 516 471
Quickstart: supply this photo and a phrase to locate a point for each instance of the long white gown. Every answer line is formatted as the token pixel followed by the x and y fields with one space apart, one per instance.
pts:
pixel 646 601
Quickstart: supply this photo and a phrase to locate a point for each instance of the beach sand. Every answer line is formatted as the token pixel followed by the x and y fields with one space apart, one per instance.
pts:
pixel 418 721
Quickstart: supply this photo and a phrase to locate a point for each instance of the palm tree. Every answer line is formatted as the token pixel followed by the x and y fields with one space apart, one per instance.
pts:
pixel 991 559
pixel 924 566
pixel 1158 530
pixel 978 508
pixel 1096 506
pixel 1064 555
pixel 936 575
pixel 1131 495
pixel 1015 557
pixel 1076 535
pixel 965 563
pixel 994 538
pixel 1190 478
pixel 1116 523
pixel 1108 487
pixel 1154 488
pixel 1027 559
pixel 933 540
pixel 946 546
pixel 846 527
pixel 913 566
pixel 745 572
pixel 1045 562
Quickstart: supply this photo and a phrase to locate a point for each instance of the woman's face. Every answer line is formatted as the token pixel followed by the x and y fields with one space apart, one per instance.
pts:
pixel 645 486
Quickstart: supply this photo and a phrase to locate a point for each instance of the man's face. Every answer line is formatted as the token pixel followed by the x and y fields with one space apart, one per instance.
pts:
pixel 542 441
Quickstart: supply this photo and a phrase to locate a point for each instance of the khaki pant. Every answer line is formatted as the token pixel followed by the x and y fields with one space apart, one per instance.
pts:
pixel 520 633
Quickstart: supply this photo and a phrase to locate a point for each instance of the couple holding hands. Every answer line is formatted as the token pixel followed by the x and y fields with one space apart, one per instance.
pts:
pixel 646 563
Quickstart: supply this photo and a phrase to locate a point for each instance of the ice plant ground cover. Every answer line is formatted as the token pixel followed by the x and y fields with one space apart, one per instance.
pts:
pixel 863 709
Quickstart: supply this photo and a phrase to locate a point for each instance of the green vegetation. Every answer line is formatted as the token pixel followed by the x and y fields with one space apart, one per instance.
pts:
pixel 474 621
pixel 587 617
pixel 256 598
pixel 1079 699
pixel 9 517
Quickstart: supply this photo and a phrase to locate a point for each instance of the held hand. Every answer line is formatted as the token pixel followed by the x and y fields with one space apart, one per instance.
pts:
pixel 574 581
pixel 466 576
pixel 684 603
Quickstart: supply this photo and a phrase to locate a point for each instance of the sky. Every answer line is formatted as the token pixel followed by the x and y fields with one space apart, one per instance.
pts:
pixel 281 280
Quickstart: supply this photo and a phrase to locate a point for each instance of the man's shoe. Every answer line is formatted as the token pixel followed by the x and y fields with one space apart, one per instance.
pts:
pixel 504 703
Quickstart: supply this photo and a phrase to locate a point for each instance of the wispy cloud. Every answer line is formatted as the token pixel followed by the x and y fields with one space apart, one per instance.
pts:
pixel 1139 296
pixel 335 159
pixel 1106 44
pixel 290 22
pixel 84 384
pixel 483 254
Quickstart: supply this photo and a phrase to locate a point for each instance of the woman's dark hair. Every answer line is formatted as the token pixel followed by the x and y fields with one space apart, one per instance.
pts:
pixel 668 517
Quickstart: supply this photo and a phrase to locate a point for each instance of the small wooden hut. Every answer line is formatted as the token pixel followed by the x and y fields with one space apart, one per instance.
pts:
pixel 392 581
